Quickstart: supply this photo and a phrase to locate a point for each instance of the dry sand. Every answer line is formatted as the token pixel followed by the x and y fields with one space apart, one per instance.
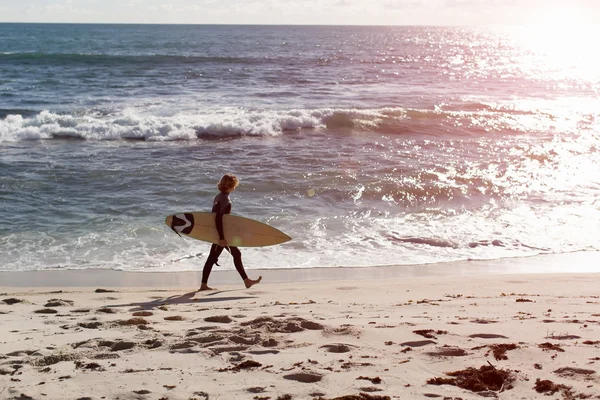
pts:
pixel 525 336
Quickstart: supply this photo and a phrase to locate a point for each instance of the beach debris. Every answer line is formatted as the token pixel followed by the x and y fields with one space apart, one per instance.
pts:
pixel 549 388
pixel 547 346
pixel 499 350
pixel 484 321
pixel 106 310
pixel 563 337
pixel 376 381
pixel 486 378
pixel 104 291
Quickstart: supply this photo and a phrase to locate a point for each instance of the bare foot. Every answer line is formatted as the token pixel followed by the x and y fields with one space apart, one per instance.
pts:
pixel 250 282
pixel 205 287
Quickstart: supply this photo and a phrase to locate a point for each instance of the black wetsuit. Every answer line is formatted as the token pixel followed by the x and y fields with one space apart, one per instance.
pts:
pixel 222 206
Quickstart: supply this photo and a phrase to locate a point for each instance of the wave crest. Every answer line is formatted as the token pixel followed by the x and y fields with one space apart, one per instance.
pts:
pixel 135 123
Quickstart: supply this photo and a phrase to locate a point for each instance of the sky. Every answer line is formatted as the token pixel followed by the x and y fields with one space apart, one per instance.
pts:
pixel 306 12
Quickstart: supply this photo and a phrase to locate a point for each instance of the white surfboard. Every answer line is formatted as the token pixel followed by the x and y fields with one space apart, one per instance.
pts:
pixel 239 231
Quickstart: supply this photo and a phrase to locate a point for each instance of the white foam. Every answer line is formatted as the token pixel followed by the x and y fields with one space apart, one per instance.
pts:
pixel 133 124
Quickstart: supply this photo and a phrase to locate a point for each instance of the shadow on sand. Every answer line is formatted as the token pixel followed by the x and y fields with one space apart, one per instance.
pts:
pixel 187 298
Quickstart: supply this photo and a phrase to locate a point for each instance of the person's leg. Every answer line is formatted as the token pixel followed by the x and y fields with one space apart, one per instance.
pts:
pixel 237 261
pixel 213 257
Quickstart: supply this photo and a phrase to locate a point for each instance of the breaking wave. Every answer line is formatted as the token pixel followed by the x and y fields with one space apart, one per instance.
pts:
pixel 132 124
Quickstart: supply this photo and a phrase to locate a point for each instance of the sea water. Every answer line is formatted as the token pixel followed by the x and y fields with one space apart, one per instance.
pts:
pixel 368 145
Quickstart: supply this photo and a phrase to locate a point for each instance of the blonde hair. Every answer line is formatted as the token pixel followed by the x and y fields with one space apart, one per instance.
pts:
pixel 227 182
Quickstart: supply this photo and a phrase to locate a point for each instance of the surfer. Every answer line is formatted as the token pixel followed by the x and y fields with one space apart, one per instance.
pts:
pixel 222 206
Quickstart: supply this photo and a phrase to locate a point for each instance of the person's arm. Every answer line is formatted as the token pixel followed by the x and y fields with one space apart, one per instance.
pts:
pixel 219 220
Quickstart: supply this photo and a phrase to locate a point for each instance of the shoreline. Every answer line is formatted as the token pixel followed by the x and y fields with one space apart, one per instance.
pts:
pixel 578 262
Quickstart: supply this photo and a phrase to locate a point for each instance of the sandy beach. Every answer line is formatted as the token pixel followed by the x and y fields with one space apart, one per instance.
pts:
pixel 453 336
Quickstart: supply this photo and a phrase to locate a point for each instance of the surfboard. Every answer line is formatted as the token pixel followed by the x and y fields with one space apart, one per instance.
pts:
pixel 239 231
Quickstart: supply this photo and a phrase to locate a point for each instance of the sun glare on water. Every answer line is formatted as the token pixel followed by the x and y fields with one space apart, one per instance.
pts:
pixel 562 40
pixel 561 29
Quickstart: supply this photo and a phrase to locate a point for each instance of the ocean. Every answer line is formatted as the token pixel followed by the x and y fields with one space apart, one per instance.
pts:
pixel 369 146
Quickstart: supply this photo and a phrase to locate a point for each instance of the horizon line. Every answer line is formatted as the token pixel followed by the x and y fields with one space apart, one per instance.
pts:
pixel 263 24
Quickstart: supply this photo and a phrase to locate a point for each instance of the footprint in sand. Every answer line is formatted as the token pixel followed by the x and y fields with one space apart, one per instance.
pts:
pixel 256 389
pixel 132 321
pixel 570 372
pixel 183 345
pixel 117 346
pixel 207 339
pixel 488 336
pixel 418 343
pixel 448 352
pixel 221 319
pixel 90 325
pixel 21 353
pixel 12 301
pixel 59 303
pixel 338 347
pixel 241 340
pixel 229 349
pixel 153 343
pixel 46 311
pixel 261 352
pixel 304 377
pixel 142 314
pixel 174 318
